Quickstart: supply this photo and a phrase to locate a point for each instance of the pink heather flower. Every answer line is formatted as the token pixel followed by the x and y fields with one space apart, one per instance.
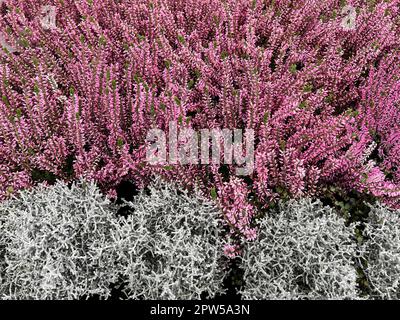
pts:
pixel 231 251
pixel 78 100
pixel 237 210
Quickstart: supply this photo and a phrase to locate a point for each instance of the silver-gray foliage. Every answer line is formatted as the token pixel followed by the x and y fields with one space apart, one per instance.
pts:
pixel 381 251
pixel 63 242
pixel 58 243
pixel 304 251
pixel 171 245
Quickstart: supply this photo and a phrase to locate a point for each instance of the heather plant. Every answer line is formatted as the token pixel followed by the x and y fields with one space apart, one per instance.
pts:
pixel 381 252
pixel 80 93
pixel 171 246
pixel 304 251
pixel 381 129
pixel 57 243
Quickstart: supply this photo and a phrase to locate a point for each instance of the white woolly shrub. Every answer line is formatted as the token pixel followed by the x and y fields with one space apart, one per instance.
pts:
pixel 2 262
pixel 57 243
pixel 171 245
pixel 381 251
pixel 67 243
pixel 304 251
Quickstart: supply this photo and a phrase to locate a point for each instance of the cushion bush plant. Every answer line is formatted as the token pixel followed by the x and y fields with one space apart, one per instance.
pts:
pixel 173 245
pixel 58 243
pixel 381 252
pixel 67 242
pixel 304 251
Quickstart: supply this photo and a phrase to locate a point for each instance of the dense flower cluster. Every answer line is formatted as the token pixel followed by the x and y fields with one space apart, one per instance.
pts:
pixel 79 98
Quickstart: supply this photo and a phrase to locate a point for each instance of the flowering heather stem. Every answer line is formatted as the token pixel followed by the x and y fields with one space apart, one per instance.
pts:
pixel 320 92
